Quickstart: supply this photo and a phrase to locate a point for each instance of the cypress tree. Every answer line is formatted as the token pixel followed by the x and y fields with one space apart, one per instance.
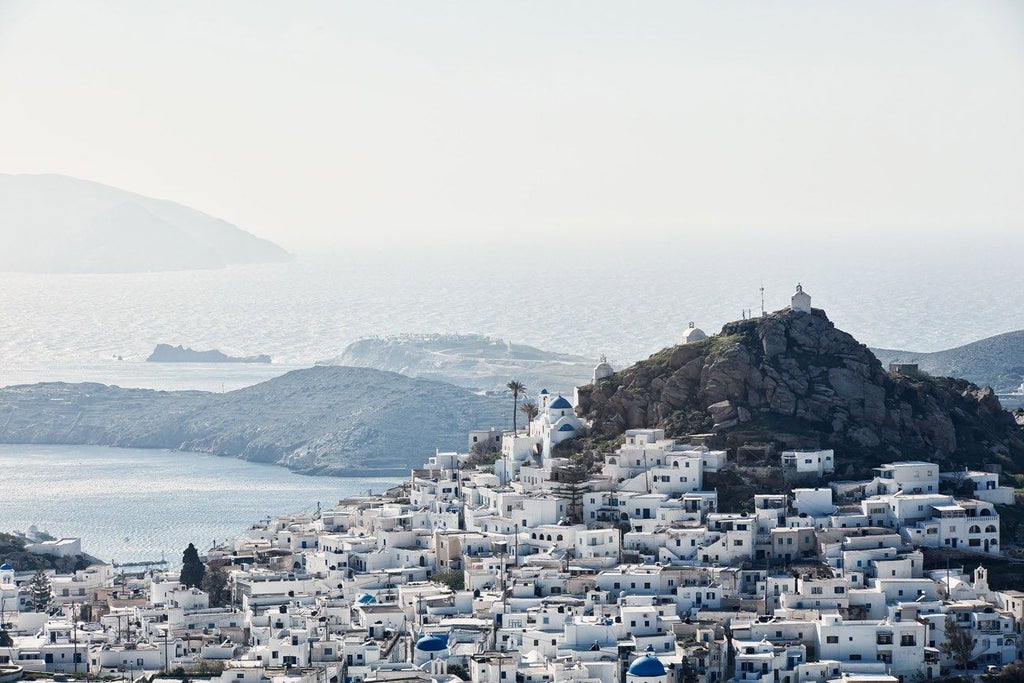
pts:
pixel 192 568
pixel 39 588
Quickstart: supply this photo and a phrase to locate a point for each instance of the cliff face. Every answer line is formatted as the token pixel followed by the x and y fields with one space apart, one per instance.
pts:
pixel 792 378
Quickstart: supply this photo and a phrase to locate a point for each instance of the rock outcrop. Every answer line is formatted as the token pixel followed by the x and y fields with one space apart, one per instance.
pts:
pixel 793 379
pixel 165 353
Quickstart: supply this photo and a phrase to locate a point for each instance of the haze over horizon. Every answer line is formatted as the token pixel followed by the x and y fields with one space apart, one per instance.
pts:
pixel 329 126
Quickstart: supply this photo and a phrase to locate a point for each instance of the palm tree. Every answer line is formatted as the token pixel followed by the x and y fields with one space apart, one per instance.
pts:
pixel 530 410
pixel 516 387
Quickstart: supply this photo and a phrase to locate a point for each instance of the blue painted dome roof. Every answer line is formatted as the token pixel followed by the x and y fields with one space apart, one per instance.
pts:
pixel 543 391
pixel 647 666
pixel 431 643
pixel 366 599
pixel 567 428
pixel 6 567
pixel 560 403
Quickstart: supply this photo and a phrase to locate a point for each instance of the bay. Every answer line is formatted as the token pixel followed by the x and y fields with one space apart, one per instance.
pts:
pixel 131 505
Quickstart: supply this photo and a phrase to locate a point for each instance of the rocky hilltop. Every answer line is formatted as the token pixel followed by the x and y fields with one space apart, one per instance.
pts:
pixel 794 380
pixel 468 360
pixel 165 353
pixel 327 420
pixel 995 361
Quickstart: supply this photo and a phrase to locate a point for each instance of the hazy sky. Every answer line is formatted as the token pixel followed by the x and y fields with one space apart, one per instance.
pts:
pixel 550 124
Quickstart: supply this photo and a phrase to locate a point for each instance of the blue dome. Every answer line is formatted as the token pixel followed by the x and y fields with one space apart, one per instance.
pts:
pixel 647 666
pixel 560 403
pixel 431 643
pixel 6 567
pixel 567 428
pixel 543 392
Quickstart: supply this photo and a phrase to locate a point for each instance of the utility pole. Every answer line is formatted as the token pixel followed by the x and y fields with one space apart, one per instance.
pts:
pixel 74 640
pixel 762 300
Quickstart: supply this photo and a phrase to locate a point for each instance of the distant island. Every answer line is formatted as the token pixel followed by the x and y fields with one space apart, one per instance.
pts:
pixel 165 353
pixel 468 360
pixel 322 420
pixel 58 224
pixel 996 361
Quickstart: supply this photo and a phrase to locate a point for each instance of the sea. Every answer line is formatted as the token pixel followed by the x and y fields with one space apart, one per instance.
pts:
pixel 624 300
pixel 140 505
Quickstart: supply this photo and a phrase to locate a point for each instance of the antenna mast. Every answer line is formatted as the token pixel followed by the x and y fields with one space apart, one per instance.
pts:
pixel 762 300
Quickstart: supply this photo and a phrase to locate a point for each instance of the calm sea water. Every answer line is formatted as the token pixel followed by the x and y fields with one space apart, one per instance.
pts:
pixel 132 504
pixel 623 302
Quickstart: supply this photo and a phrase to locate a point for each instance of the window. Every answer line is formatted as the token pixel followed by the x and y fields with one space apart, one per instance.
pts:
pixel 832 639
pixel 908 640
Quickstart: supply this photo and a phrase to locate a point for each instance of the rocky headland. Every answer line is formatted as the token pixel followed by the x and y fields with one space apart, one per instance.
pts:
pixel 165 353
pixel 325 420
pixel 793 380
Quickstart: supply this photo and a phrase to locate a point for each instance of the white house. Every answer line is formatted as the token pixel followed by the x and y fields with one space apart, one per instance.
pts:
pixel 818 463
pixel 911 476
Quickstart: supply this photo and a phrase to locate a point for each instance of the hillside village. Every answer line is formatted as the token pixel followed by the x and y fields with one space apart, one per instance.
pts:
pixel 527 565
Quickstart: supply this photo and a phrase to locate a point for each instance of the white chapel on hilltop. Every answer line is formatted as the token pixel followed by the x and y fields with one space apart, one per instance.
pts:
pixel 693 334
pixel 801 301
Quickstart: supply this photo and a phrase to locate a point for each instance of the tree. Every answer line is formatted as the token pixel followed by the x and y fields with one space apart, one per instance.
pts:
pixel 517 388
pixel 460 671
pixel 571 488
pixel 958 643
pixel 530 410
pixel 686 672
pixel 1011 673
pixel 39 589
pixel 215 584
pixel 192 568
pixel 453 579
pixel 5 639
